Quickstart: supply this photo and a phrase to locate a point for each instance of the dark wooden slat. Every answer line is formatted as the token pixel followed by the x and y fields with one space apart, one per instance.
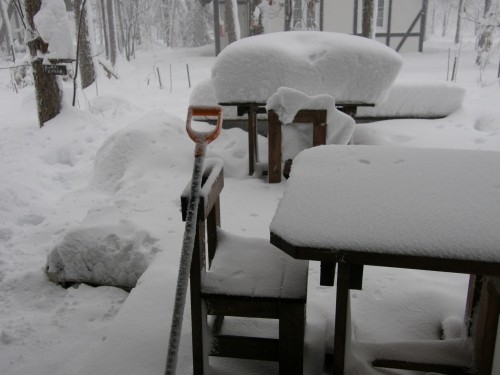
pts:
pixel 341 316
pixel 426 367
pixel 487 325
pixel 291 331
pixel 263 349
pixel 241 306
pixel 274 147
pixel 327 274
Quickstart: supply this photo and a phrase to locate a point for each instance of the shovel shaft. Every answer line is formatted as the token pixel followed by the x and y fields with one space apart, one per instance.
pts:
pixel 201 139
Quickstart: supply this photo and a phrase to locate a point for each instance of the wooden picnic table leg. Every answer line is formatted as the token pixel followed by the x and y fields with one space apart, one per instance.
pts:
pixel 274 147
pixel 486 325
pixel 342 317
pixel 251 140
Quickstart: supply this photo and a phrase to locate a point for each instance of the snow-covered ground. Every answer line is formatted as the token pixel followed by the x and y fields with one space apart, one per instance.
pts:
pixel 117 164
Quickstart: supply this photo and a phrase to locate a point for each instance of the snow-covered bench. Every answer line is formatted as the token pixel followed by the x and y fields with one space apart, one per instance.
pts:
pixel 242 277
pixel 415 99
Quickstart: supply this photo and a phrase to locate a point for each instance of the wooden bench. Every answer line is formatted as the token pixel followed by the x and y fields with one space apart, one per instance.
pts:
pixel 242 277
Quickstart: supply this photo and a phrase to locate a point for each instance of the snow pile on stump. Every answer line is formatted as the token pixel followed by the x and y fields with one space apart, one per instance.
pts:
pixel 346 67
pixel 113 255
pixel 424 99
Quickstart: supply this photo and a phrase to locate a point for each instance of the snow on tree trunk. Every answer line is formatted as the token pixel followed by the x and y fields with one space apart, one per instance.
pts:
pixel 369 17
pixel 256 26
pixel 48 93
pixel 111 31
pixel 485 36
pixel 232 21
pixel 85 62
pixel 297 15
pixel 8 28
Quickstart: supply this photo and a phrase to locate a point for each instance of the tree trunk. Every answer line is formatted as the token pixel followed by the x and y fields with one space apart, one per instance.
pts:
pixel 311 15
pixel 85 61
pixel 8 34
pixel 485 38
pixel 369 18
pixel 288 15
pixel 48 93
pixel 232 23
pixel 111 31
pixel 256 28
pixel 459 21
pixel 105 28
pixel 121 32
pixel 297 15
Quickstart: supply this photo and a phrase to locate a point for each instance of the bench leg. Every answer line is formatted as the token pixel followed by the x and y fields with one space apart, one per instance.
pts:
pixel 291 338
pixel 486 325
pixel 342 324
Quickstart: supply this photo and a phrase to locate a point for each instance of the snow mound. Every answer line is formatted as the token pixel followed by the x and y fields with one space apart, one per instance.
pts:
pixel 407 98
pixel 112 255
pixel 287 102
pixel 121 159
pixel 349 68
pixel 53 26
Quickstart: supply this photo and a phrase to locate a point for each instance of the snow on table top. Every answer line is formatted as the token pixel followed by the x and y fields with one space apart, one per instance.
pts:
pixel 409 98
pixel 347 67
pixel 427 202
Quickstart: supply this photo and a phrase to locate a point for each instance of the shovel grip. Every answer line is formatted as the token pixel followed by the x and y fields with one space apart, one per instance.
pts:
pixel 204 137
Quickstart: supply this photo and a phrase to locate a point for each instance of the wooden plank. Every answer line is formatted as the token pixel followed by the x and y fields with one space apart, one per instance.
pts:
pixel 356 279
pixel 274 147
pixel 327 273
pixel 473 296
pixel 425 367
pixel 242 306
pixel 487 325
pixel 263 349
pixel 341 317
pixel 291 339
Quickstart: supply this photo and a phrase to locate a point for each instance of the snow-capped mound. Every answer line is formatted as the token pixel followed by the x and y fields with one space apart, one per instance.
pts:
pixel 113 255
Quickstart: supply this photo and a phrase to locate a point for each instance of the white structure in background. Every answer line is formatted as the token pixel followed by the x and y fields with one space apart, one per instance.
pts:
pixel 400 24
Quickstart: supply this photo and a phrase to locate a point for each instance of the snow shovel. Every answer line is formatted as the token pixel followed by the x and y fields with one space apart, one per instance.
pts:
pixel 201 139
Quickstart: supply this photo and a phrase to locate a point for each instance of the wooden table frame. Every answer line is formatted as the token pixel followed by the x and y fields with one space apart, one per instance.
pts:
pixel 484 292
pixel 316 117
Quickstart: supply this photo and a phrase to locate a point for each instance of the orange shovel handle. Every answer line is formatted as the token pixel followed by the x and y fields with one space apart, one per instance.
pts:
pixel 204 137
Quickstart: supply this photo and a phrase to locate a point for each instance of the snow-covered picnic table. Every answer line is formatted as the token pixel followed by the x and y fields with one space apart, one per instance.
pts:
pixel 353 71
pixel 426 209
